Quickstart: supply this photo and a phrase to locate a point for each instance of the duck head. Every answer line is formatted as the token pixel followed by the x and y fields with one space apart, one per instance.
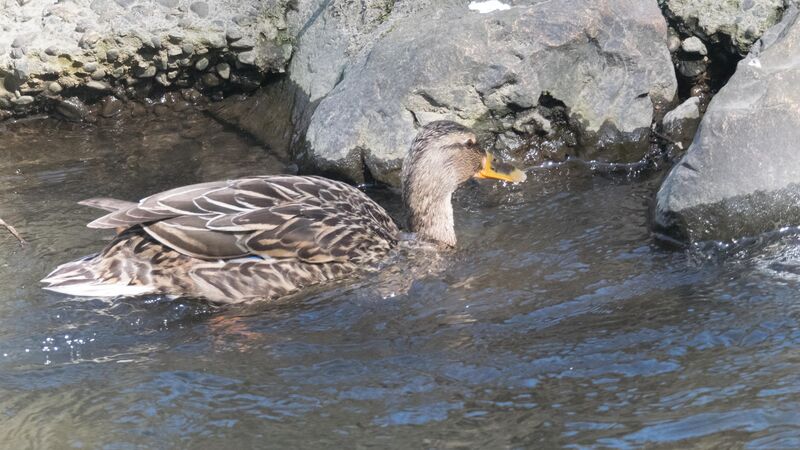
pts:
pixel 443 156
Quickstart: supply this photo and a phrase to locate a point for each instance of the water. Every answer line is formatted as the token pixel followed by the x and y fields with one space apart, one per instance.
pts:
pixel 557 323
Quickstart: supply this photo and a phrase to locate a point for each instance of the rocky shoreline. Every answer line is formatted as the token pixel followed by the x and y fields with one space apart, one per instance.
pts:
pixel 341 87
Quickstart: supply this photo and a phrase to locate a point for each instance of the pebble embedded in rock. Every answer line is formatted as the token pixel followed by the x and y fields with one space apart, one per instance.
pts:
pixel 187 48
pixel 201 64
pixel 174 50
pixel 199 8
pixel 233 35
pixel 98 74
pixel 161 79
pixel 52 50
pixel 242 44
pixel 694 45
pixel 149 72
pixel 17 53
pixel 90 67
pixel 112 55
pixel 89 39
pixel 54 87
pixel 248 58
pixel 98 86
pixel 22 100
pixel 224 70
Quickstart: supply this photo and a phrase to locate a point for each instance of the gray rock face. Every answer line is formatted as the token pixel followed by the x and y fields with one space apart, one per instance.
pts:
pixel 741 176
pixel 605 63
pixel 84 42
pixel 681 123
pixel 738 22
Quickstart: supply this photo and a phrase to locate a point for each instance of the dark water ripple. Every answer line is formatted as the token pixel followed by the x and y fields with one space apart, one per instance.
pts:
pixel 557 323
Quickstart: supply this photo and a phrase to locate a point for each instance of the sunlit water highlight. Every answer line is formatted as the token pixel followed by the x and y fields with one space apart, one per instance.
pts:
pixel 557 322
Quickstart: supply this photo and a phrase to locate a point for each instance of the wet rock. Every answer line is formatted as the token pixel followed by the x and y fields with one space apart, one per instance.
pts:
pixel 484 70
pixel 692 68
pixel 210 80
pixel 741 175
pixel 681 123
pixel 72 109
pixel 201 64
pixel 737 24
pixel 111 106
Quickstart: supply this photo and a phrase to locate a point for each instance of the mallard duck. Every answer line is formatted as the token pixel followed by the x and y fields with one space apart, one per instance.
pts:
pixel 264 237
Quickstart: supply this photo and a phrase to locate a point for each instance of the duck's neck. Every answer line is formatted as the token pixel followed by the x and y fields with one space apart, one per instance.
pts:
pixel 431 217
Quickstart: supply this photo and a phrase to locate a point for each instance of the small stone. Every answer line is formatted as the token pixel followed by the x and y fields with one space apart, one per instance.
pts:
pixel 67 82
pixel 233 35
pixel 161 79
pixel 694 45
pixel 217 41
pixel 224 70
pixel 185 22
pixel 54 87
pixel 98 86
pixel 673 43
pixel 187 48
pixel 110 106
pixel 89 39
pixel 243 44
pixel 199 8
pixel 185 62
pixel 174 50
pixel 210 80
pixel 168 3
pixel 155 41
pixel 149 72
pixel 248 58
pixel 176 37
pixel 22 41
pixel 112 55
pixel 52 50
pixel 22 100
pixel 118 72
pixel 98 74
pixel 201 64
pixel 17 53
pixel 90 67
pixel 201 51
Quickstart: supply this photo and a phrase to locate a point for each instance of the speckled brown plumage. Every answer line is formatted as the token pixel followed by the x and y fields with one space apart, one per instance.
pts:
pixel 264 237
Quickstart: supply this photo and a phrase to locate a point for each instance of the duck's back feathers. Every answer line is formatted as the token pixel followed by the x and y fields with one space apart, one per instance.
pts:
pixel 300 230
pixel 309 218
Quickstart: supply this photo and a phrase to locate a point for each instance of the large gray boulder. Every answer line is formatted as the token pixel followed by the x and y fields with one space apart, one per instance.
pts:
pixel 85 46
pixel 736 24
pixel 510 72
pixel 741 176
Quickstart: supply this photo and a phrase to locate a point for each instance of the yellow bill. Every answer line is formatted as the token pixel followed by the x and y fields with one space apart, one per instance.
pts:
pixel 499 171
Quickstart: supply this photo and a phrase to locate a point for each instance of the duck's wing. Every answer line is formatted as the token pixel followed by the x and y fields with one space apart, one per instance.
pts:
pixel 307 218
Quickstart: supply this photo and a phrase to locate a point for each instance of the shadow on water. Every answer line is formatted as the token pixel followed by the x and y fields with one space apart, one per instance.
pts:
pixel 557 322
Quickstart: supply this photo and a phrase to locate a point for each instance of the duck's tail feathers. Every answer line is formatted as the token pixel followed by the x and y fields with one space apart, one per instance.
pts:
pixel 77 278
pixel 107 204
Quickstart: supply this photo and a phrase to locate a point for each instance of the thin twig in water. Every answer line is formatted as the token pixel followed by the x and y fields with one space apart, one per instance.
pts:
pixel 13 231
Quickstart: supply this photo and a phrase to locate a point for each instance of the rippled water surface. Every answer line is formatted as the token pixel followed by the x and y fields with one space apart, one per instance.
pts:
pixel 557 322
